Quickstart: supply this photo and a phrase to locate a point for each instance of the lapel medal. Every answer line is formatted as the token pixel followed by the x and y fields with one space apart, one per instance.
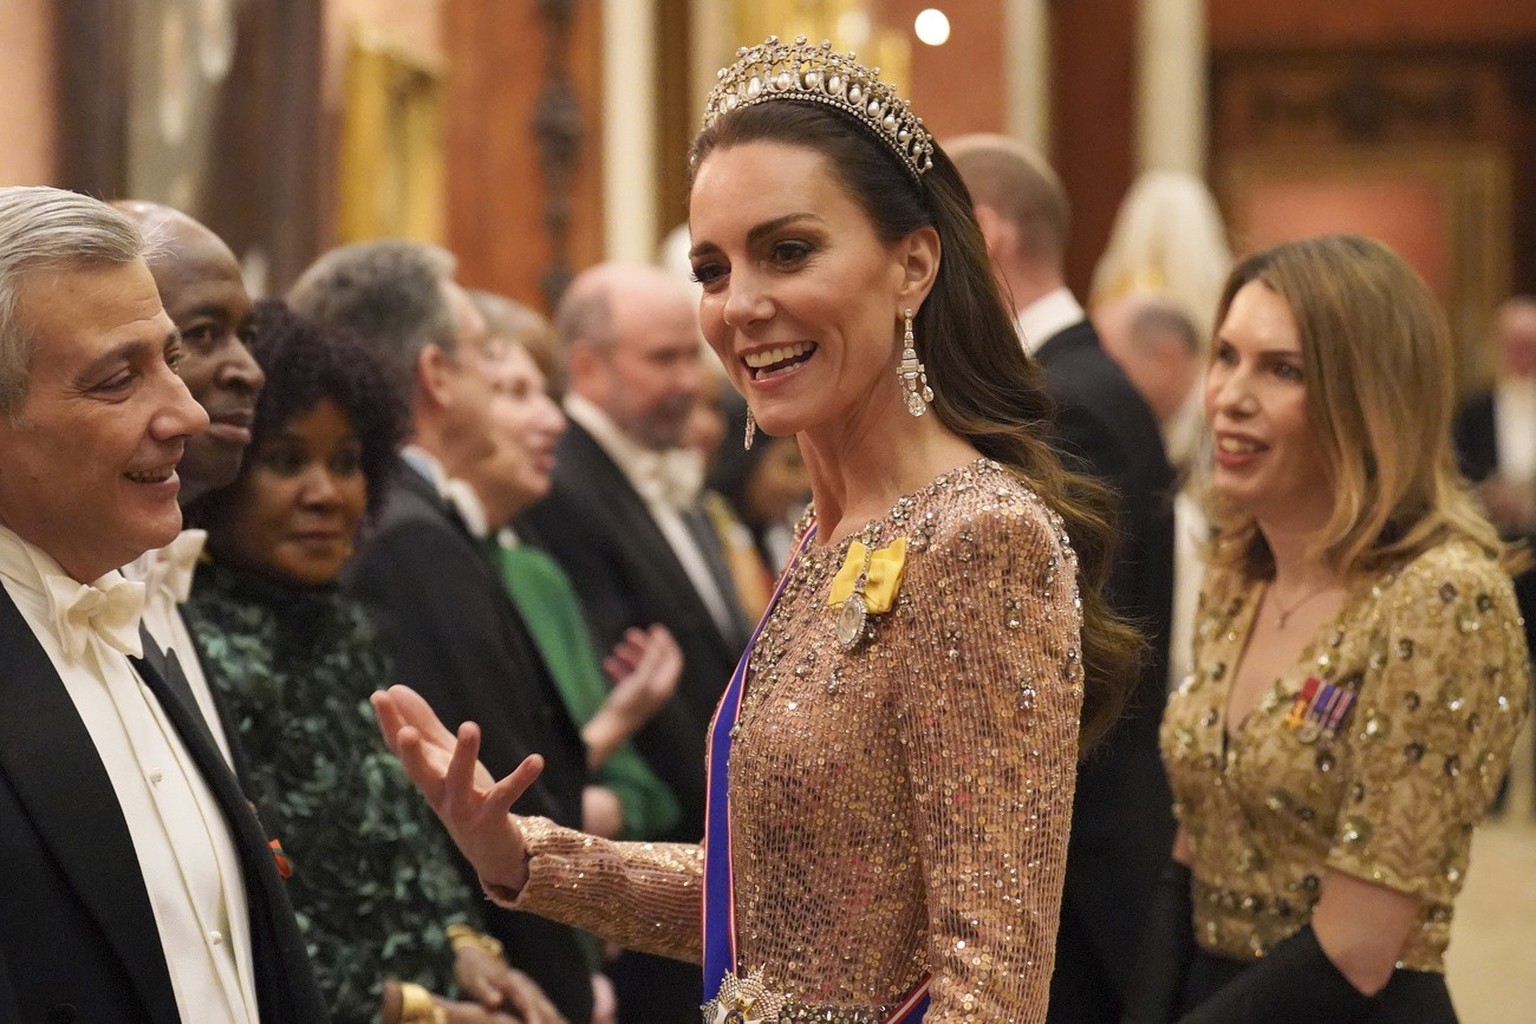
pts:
pixel 865 585
pixel 1319 710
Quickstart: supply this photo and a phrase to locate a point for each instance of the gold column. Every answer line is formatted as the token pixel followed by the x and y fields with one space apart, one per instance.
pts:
pixel 1171 86
pixel 629 130
pixel 1028 34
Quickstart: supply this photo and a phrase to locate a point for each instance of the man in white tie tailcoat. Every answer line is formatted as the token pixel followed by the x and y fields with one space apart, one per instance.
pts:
pixel 138 883
pixel 204 294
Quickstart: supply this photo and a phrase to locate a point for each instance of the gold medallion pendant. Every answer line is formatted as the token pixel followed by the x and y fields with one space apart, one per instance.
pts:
pixel 850 621
pixel 744 1000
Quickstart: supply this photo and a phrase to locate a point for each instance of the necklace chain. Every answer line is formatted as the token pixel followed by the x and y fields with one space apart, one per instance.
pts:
pixel 1283 614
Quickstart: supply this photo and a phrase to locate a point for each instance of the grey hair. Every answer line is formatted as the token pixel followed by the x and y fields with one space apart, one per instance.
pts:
pixel 391 294
pixel 1158 319
pixel 49 229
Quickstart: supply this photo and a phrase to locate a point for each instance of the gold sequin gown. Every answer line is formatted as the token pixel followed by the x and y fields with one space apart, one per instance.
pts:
pixel 1436 656
pixel 898 809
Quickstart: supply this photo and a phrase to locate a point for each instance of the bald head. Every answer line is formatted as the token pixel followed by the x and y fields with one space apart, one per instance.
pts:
pixel 631 338
pixel 204 294
pixel 586 311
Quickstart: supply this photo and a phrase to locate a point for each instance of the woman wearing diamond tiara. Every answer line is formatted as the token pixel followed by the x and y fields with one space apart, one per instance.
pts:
pixel 892 766
pixel 1360 670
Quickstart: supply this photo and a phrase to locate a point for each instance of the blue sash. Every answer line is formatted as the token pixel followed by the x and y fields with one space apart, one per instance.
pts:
pixel 719 882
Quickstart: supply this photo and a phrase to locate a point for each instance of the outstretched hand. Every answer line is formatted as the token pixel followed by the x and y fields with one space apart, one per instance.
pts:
pixel 644 667
pixel 473 806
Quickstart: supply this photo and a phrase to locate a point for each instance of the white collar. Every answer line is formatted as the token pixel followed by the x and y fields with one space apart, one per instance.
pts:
pixel 670 476
pixel 1047 317
pixel 462 496
pixel 624 452
pixel 167 572
pixel 29 565
pixel 428 465
pixel 73 607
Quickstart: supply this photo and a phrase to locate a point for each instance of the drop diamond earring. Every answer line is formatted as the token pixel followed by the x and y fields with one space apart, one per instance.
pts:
pixel 914 377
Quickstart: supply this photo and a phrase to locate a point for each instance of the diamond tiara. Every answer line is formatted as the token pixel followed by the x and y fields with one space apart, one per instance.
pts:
pixel 815 74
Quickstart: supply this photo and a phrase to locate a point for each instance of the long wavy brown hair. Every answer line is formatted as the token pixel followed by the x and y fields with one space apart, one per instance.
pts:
pixel 1380 396
pixel 986 389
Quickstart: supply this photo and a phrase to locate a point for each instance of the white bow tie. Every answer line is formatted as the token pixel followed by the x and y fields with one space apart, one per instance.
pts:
pixel 82 611
pixel 171 570
pixel 674 477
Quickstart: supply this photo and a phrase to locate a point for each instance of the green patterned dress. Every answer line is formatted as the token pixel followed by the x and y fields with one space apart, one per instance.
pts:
pixel 375 880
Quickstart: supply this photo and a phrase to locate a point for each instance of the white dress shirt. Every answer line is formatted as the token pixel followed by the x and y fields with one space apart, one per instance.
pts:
pixel 1514 430
pixel 669 483
pixel 462 495
pixel 1046 317
pixel 185 852
pixel 167 577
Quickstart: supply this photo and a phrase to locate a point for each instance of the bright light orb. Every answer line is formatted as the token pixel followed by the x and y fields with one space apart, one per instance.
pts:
pixel 932 26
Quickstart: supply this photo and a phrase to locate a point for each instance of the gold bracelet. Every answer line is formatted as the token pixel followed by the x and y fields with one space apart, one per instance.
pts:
pixel 461 935
pixel 418 1007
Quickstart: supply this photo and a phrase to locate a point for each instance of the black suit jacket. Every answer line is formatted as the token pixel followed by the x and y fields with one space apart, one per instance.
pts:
pixel 78 940
pixel 1475 433
pixel 601 532
pixel 458 640
pixel 1122 824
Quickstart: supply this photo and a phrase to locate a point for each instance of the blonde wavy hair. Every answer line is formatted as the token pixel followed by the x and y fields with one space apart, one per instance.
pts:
pixel 1380 396
pixel 1168 241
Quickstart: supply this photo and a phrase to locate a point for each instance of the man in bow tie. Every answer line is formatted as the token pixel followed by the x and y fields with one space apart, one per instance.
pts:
pixel 1122 817
pixel 138 884
pixel 453 631
pixel 204 294
pixel 623 519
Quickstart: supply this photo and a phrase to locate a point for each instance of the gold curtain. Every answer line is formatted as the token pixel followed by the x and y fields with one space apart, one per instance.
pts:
pixel 391 164
pixel 849 24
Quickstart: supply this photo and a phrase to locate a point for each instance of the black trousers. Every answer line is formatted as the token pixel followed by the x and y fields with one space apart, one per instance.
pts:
pixel 1411 997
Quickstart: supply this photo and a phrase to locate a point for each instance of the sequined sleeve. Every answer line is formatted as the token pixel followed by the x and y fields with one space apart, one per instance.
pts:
pixel 644 896
pixel 989 713
pixel 1441 701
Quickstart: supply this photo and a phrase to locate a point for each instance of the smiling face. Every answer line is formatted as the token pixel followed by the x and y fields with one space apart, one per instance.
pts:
pixel 205 296
pixel 646 377
pixel 298 507
pixel 525 424
pixel 802 299
pixel 1267 458
pixel 88 467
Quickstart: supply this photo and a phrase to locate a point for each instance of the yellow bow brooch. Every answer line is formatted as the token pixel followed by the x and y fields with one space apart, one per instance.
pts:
pixel 866 585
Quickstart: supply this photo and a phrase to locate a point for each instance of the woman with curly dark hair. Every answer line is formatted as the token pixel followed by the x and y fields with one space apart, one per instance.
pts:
pixel 291 661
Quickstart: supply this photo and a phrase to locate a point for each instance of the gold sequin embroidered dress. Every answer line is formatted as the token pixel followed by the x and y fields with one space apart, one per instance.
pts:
pixel 1435 656
pixel 898 809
